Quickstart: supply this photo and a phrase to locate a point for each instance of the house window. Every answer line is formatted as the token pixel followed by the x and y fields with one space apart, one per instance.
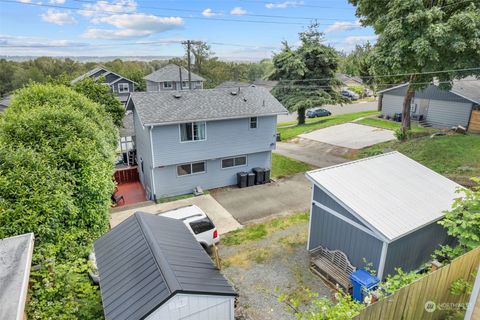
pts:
pixel 168 85
pixel 185 84
pixel 191 168
pixel 253 122
pixel 193 131
pixel 234 162
pixel 123 87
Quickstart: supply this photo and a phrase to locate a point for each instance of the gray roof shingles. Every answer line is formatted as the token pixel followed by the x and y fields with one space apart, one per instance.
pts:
pixel 156 108
pixel 146 260
pixel 171 73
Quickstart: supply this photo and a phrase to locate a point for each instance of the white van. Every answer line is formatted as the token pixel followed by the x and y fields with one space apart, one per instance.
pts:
pixel 197 222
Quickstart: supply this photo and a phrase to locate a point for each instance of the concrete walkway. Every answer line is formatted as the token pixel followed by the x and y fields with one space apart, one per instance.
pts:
pixel 350 135
pixel 312 152
pixel 290 194
pixel 222 219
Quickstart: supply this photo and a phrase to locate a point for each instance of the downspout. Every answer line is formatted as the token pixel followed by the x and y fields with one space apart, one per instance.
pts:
pixel 383 258
pixel 153 166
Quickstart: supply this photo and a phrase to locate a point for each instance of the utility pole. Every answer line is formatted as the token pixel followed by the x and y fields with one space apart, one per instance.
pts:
pixel 189 43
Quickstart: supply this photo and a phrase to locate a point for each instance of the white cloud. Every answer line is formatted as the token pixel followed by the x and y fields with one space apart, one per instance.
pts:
pixel 102 8
pixel 58 17
pixel 353 40
pixel 283 5
pixel 56 1
pixel 238 11
pixel 343 26
pixel 25 1
pixel 210 13
pixel 133 25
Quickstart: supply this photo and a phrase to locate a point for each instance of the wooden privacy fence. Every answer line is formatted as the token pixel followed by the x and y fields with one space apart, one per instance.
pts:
pixel 410 302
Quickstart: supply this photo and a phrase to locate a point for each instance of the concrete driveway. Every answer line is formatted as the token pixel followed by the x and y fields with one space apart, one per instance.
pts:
pixel 350 135
pixel 335 109
pixel 312 152
pixel 222 219
pixel 290 194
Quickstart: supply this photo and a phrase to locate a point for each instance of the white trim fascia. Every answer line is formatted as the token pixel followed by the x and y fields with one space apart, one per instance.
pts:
pixel 310 220
pixel 349 221
pixel 383 258
pixel 152 172
pixel 393 88
pixel 26 276
pixel 474 297
pixel 380 235
pixel 462 96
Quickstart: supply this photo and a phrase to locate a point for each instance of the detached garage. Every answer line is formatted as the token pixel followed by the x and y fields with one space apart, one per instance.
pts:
pixel 152 267
pixel 381 210
pixel 435 107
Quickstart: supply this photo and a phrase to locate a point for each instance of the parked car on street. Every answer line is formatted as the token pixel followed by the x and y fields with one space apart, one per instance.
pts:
pixel 350 94
pixel 197 222
pixel 318 113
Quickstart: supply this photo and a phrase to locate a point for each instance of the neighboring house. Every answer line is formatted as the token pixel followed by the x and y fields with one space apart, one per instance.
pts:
pixel 267 84
pixel 15 263
pixel 151 267
pixel 4 102
pixel 202 137
pixel 381 210
pixel 349 80
pixel 436 107
pixel 120 86
pixel 172 77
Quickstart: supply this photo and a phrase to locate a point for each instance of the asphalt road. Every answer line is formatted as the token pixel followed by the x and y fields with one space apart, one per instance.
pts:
pixel 336 109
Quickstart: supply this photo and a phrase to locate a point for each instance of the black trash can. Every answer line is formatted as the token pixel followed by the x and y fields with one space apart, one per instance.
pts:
pixel 266 175
pixel 279 137
pixel 251 179
pixel 242 179
pixel 259 175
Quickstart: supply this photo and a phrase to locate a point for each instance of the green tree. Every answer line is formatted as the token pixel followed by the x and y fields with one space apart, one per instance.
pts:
pixel 310 70
pixel 418 36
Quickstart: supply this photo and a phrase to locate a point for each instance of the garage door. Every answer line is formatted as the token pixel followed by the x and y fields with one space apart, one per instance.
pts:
pixel 448 113
pixel 391 104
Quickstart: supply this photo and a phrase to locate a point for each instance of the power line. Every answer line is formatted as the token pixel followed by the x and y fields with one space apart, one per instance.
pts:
pixel 160 16
pixel 297 5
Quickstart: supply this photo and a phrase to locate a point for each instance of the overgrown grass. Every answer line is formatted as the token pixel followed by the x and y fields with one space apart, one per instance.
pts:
pixel 314 124
pixel 180 197
pixel 262 230
pixel 392 125
pixel 455 156
pixel 283 166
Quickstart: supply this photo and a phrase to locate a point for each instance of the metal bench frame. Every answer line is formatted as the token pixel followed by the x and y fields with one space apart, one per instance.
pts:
pixel 333 266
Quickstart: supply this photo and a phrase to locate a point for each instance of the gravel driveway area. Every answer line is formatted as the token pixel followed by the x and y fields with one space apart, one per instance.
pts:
pixel 264 269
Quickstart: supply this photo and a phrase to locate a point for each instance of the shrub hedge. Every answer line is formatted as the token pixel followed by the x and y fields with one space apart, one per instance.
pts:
pixel 57 152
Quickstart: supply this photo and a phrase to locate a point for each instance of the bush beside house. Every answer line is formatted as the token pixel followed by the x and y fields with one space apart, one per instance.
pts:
pixel 56 165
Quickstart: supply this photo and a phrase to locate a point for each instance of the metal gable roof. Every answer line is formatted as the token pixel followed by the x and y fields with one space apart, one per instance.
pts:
pixel 146 260
pixel 393 194
pixel 157 108
pixel 171 72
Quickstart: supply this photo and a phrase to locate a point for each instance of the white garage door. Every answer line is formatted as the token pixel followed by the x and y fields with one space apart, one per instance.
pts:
pixel 448 113
pixel 391 104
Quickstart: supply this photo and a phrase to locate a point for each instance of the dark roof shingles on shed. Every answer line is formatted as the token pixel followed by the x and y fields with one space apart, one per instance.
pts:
pixel 147 259
pixel 198 105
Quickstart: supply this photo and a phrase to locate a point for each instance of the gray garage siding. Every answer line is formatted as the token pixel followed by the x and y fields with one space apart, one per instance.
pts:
pixel 391 104
pixel 320 196
pixel 224 138
pixel 333 233
pixel 409 255
pixel 431 92
pixel 169 184
pixel 449 113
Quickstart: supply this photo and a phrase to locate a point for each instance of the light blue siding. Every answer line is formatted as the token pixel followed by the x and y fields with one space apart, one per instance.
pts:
pixel 224 138
pixel 144 154
pixel 169 184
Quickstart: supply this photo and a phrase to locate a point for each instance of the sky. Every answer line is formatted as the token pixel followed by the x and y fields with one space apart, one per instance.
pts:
pixel 235 29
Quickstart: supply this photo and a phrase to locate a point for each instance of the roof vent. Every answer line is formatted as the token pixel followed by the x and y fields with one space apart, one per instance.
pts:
pixel 177 95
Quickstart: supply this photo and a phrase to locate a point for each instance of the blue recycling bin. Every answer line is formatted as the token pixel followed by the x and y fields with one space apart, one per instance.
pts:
pixel 362 282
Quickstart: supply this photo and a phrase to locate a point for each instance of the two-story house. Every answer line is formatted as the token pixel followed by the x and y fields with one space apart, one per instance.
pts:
pixel 172 77
pixel 120 86
pixel 186 139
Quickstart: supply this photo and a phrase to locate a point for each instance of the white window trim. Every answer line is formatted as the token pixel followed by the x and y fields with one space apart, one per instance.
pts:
pixel 250 123
pixel 123 86
pixel 234 166
pixel 164 85
pixel 191 164
pixel 184 86
pixel 190 141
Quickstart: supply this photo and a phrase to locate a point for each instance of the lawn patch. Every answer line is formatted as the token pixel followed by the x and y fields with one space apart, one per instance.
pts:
pixel 283 166
pixel 314 124
pixel 392 125
pixel 262 230
pixel 455 156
